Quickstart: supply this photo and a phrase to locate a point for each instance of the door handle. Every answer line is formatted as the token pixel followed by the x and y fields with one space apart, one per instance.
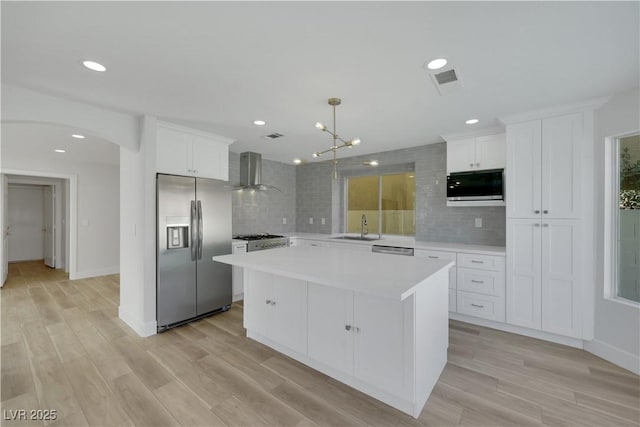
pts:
pixel 193 244
pixel 200 234
pixel 347 327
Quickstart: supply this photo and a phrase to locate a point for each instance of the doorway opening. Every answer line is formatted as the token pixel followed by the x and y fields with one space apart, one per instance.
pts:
pixel 36 221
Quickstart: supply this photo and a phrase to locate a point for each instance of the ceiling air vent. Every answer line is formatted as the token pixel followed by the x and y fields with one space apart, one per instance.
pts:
pixel 446 81
pixel 273 136
pixel 446 77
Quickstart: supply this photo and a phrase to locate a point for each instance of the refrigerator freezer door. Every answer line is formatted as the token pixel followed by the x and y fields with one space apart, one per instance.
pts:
pixel 176 272
pixel 214 278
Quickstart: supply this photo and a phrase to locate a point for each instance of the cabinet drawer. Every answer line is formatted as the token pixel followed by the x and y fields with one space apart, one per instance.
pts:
pixel 452 300
pixel 481 262
pixel 481 281
pixel 449 256
pixel 485 306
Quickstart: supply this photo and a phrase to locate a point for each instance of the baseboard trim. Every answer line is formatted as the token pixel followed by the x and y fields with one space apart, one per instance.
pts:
pixel 144 329
pixel 619 357
pixel 95 273
pixel 546 336
pixel 238 297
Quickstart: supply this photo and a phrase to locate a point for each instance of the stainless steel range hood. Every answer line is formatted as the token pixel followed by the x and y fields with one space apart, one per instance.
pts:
pixel 251 173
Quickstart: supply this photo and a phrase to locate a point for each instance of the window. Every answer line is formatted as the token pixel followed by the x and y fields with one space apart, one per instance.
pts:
pixel 387 202
pixel 627 223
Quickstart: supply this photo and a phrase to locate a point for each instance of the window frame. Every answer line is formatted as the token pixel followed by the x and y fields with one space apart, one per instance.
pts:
pixel 345 201
pixel 612 218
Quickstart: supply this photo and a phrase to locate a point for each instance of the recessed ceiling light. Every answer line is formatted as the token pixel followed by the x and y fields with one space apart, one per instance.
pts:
pixel 472 121
pixel 436 64
pixel 259 122
pixel 58 150
pixel 297 161
pixel 78 136
pixel 95 66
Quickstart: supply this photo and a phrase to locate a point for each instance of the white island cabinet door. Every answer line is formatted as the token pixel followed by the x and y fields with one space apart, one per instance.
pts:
pixel 258 296
pixel 379 342
pixel 290 313
pixel 330 340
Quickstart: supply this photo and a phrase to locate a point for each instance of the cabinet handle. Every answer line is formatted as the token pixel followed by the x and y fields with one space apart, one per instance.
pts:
pixel 545 225
pixel 347 327
pixel 273 303
pixel 475 261
pixel 477 281
pixel 476 305
pixel 356 329
pixel 545 211
pixel 536 225
pixel 478 164
pixel 536 211
pixel 431 256
pixel 471 164
pixel 268 302
pixel 195 171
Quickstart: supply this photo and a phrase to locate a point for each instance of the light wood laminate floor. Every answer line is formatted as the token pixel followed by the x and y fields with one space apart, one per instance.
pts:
pixel 64 348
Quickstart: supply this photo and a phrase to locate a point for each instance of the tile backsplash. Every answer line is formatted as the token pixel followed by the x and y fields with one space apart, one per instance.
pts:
pixel 263 211
pixel 318 196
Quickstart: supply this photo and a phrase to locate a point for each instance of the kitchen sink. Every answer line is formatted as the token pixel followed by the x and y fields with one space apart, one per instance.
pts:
pixel 367 239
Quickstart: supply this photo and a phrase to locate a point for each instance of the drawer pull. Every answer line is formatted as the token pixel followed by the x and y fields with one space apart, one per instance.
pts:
pixel 431 256
pixel 475 261
pixel 477 281
pixel 268 302
pixel 476 305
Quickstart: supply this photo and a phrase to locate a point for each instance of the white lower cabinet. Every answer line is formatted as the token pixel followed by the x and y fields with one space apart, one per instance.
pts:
pixel 276 307
pixel 480 286
pixel 360 335
pixel 330 319
pixel 479 305
pixel 450 256
pixel 393 350
pixel 236 273
pixel 543 277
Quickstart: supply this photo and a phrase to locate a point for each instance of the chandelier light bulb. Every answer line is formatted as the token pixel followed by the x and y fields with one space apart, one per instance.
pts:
pixel 320 126
pixel 316 154
pixel 355 141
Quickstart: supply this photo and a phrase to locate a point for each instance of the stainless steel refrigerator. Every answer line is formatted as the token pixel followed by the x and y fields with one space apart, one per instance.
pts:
pixel 194 224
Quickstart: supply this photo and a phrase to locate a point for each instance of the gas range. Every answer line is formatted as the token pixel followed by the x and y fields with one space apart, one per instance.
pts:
pixel 261 241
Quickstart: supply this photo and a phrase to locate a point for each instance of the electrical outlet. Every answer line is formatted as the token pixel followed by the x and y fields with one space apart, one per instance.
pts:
pixel 323 221
pixel 311 220
pixel 284 221
pixel 478 222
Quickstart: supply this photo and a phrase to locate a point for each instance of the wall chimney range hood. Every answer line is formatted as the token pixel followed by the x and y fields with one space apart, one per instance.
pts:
pixel 251 173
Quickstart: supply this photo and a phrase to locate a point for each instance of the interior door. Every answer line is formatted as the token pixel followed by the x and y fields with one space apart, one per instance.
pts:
pixel 49 229
pixel 4 226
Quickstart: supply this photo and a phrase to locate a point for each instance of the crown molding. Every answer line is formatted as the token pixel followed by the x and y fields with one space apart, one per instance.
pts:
pixel 475 133
pixel 589 105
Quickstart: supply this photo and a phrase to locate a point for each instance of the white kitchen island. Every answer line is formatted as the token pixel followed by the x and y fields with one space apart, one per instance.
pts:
pixel 376 322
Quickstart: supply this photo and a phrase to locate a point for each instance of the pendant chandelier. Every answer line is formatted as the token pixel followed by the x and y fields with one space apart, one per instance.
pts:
pixel 334 102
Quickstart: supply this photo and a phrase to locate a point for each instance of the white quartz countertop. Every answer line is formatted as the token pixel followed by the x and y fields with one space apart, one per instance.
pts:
pixel 389 276
pixel 407 242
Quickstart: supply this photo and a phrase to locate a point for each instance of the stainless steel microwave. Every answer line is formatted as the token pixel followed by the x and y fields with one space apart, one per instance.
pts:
pixel 481 185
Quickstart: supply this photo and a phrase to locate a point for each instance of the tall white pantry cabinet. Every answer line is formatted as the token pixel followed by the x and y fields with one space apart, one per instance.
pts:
pixel 545 223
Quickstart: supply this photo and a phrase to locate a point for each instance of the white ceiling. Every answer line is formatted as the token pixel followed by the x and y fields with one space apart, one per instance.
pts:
pixel 218 66
pixel 29 140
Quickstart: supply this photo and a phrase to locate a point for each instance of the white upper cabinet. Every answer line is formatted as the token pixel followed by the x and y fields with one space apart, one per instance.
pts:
pixel 477 153
pixel 183 151
pixel 543 168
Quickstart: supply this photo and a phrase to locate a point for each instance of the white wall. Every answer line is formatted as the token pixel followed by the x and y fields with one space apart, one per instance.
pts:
pixel 26 219
pixel 97 211
pixel 617 326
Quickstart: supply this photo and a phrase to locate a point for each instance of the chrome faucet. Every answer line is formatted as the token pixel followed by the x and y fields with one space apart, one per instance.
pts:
pixel 363 223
